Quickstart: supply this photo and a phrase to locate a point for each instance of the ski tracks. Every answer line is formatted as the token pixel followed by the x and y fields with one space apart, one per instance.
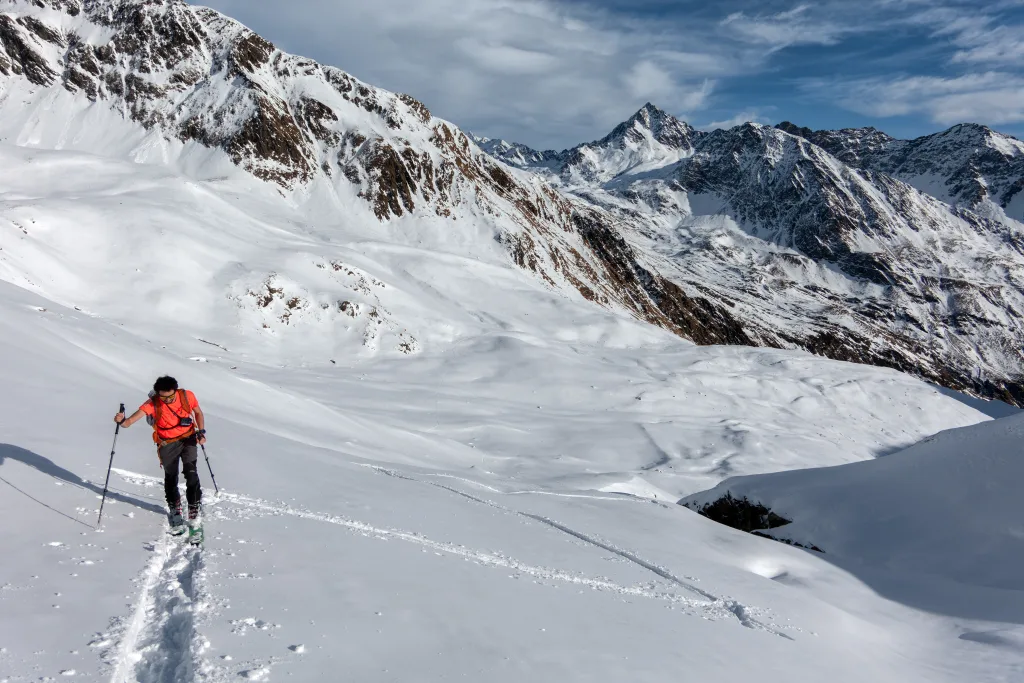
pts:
pixel 713 606
pixel 160 643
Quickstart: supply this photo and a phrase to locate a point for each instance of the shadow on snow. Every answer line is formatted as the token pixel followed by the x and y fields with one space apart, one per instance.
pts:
pixel 49 468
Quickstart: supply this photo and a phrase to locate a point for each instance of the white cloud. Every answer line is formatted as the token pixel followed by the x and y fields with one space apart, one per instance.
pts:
pixel 793 27
pixel 543 72
pixel 1000 45
pixel 748 116
pixel 649 81
pixel 507 59
pixel 993 97
pixel 983 37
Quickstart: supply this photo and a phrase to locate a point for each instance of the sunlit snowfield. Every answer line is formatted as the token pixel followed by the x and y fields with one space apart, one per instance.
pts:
pixel 477 481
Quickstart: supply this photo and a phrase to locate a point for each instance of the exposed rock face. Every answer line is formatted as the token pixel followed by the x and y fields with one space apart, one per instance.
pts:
pixel 847 243
pixel 967 164
pixel 191 75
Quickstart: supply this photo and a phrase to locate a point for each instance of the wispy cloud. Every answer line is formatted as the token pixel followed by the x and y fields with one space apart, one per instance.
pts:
pixel 1002 45
pixel 992 97
pixel 746 116
pixel 981 34
pixel 796 26
pixel 544 72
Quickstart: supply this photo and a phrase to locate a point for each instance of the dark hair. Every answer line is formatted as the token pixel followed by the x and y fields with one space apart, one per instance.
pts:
pixel 165 384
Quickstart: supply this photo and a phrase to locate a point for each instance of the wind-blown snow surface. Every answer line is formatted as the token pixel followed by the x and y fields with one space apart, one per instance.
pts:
pixel 496 504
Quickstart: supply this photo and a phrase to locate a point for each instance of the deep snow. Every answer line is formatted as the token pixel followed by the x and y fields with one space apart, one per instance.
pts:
pixel 498 504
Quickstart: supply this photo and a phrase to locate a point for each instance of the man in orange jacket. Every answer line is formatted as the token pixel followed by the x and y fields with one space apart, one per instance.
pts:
pixel 176 435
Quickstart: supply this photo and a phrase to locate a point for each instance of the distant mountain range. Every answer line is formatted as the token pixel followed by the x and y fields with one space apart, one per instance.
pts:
pixel 850 244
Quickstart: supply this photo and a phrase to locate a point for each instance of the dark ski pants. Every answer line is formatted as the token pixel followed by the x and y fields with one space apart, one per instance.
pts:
pixel 187 453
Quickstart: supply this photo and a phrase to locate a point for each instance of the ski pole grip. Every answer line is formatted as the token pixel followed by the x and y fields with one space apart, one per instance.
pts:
pixel 122 408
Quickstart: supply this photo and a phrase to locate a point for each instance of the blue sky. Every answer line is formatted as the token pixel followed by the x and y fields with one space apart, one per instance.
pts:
pixel 553 73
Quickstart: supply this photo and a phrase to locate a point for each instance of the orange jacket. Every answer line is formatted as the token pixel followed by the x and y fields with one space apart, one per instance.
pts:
pixel 168 425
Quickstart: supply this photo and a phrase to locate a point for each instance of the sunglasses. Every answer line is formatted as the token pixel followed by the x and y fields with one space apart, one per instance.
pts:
pixel 168 399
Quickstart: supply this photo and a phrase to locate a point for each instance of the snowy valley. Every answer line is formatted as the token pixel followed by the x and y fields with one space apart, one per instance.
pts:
pixel 456 389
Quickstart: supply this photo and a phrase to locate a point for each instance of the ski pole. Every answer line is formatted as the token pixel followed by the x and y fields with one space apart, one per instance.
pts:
pixel 117 430
pixel 210 468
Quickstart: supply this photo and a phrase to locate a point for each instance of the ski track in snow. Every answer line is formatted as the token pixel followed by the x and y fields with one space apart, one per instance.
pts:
pixel 159 644
pixel 741 612
pixel 706 605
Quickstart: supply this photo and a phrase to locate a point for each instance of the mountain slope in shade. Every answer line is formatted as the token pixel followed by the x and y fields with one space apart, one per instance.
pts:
pixel 835 258
pixel 951 494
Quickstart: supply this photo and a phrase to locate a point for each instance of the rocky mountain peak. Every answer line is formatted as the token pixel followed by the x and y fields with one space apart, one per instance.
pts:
pixel 968 164
pixel 655 124
pixel 134 77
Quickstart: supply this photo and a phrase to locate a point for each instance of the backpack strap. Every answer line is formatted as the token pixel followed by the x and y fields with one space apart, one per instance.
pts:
pixel 156 413
pixel 183 397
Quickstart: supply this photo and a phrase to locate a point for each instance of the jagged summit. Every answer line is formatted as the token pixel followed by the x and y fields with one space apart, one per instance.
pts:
pixel 661 126
pixel 966 164
pixel 648 139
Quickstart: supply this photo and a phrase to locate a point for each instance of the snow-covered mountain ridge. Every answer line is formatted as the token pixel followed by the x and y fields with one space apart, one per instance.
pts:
pixel 847 243
pixel 168 83
pixel 751 236
pixel 967 164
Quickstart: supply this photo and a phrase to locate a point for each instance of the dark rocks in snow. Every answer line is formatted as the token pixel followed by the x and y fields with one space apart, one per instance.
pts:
pixel 393 182
pixel 270 144
pixel 746 515
pixel 740 513
pixel 251 53
pixel 19 56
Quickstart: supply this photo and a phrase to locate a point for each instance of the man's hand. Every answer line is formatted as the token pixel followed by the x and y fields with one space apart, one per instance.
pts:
pixel 201 438
pixel 132 419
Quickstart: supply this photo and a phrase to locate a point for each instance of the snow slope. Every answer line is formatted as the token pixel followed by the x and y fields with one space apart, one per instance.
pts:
pixel 438 457
pixel 900 511
pixel 497 505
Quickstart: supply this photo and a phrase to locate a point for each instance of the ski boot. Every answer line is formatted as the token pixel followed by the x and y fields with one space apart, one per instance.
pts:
pixel 176 522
